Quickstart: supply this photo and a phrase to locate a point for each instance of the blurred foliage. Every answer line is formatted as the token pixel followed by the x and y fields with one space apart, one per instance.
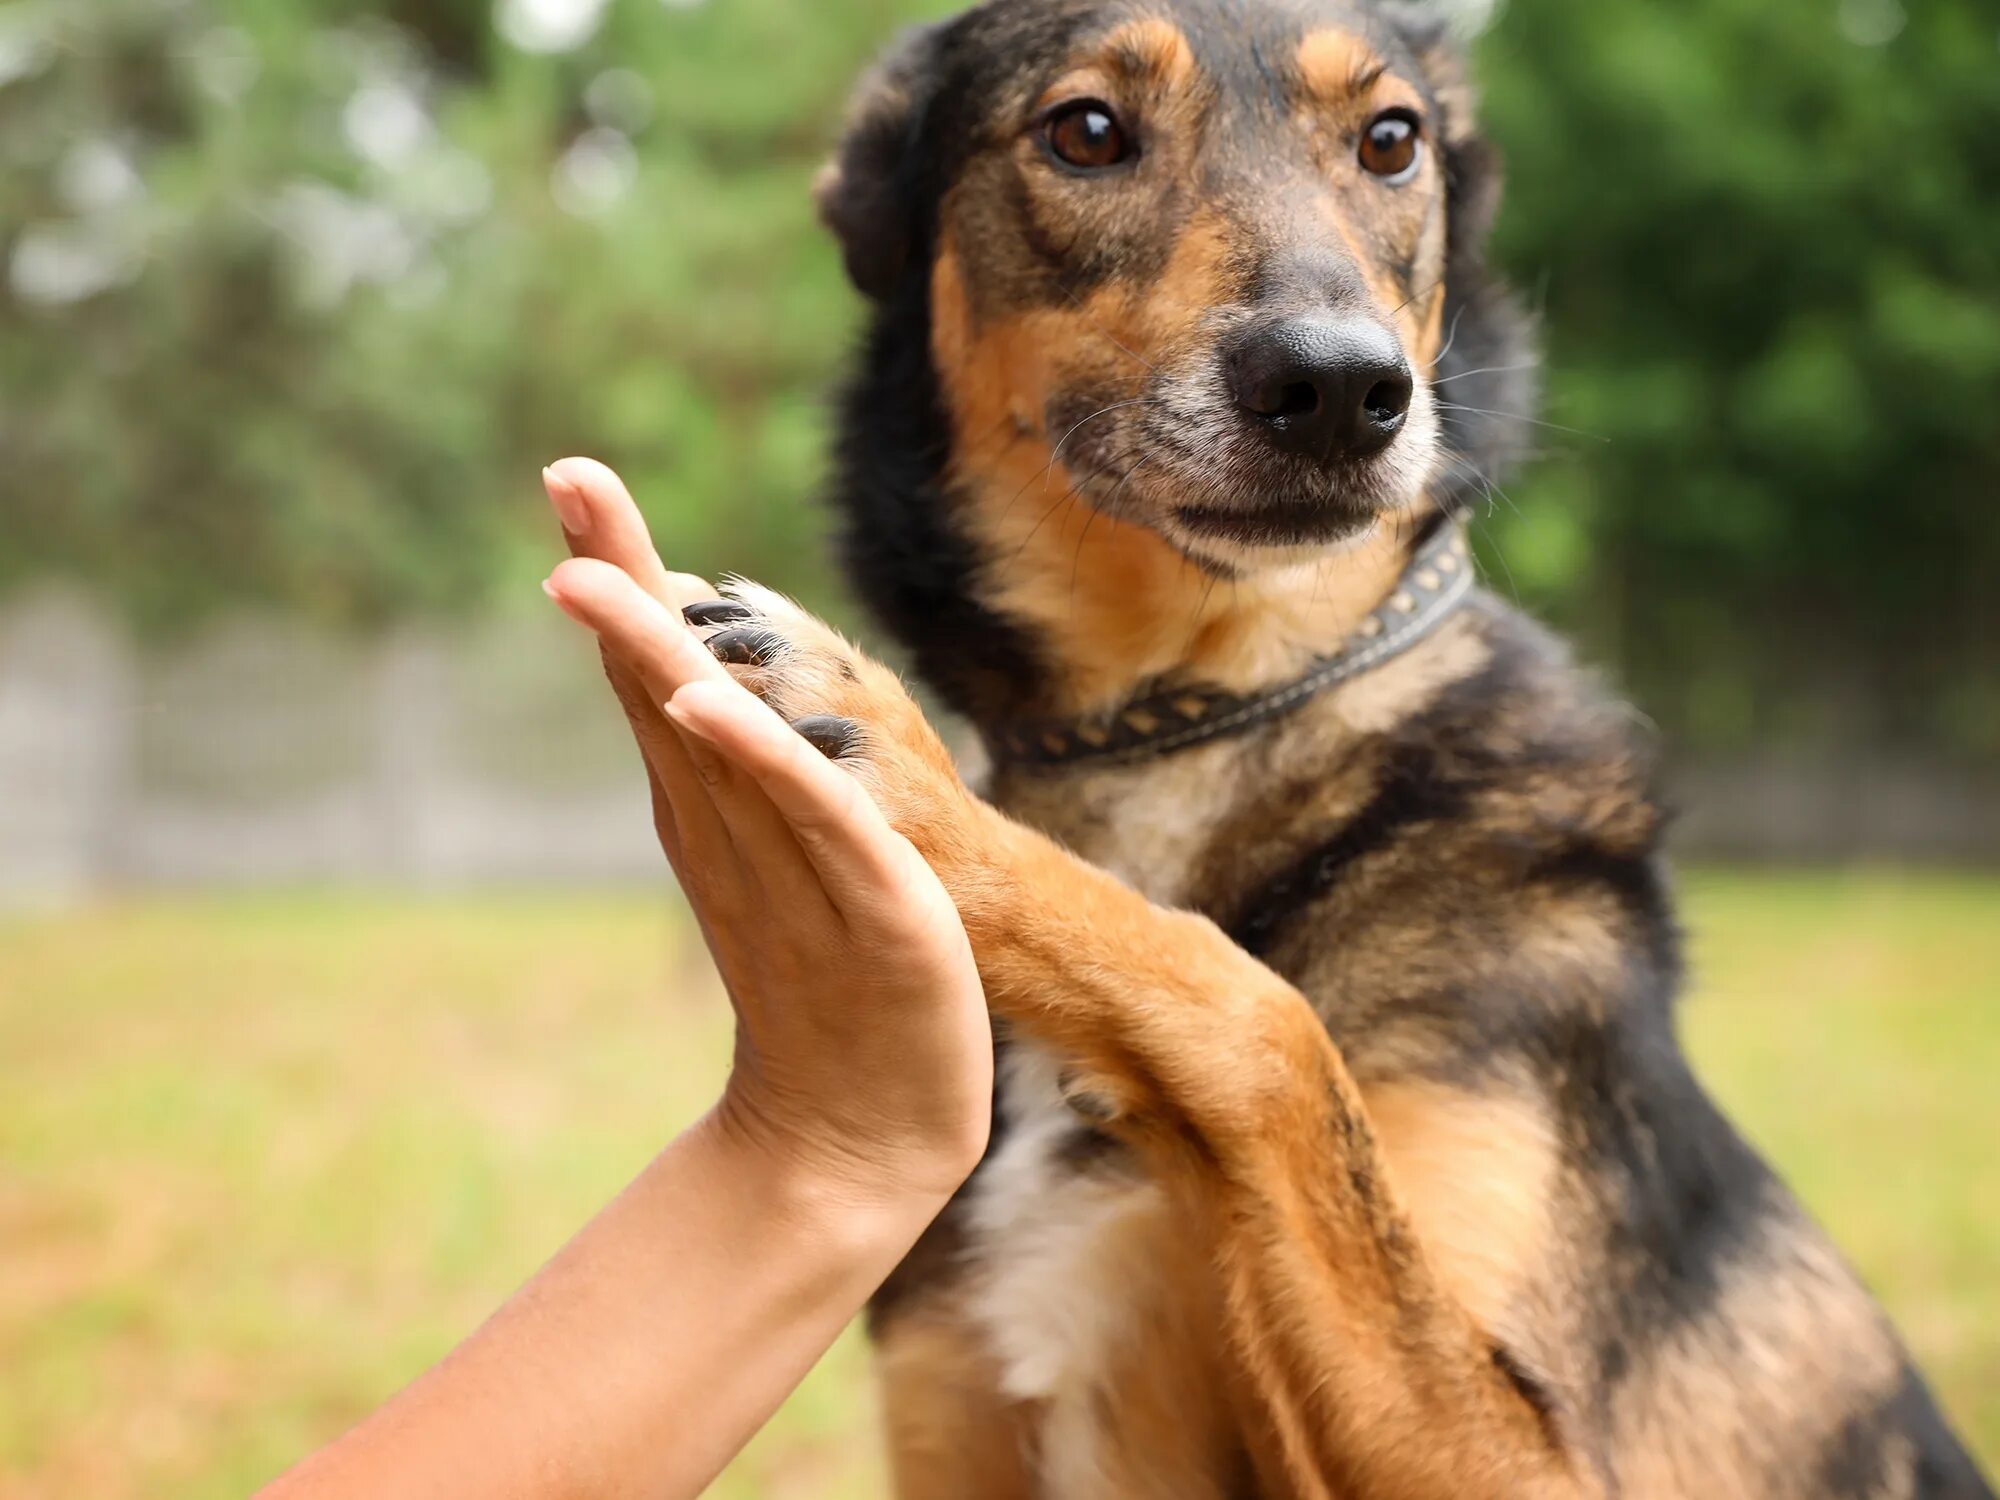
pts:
pixel 1766 234
pixel 300 293
pixel 303 292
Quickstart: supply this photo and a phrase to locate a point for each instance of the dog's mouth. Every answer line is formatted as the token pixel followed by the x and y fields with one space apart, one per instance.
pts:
pixel 1283 523
pixel 1224 500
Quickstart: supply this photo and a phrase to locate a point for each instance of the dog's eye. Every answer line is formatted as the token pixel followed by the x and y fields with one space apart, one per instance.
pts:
pixel 1391 144
pixel 1086 135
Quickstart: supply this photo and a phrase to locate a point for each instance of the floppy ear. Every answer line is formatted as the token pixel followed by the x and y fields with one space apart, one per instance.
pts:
pixel 1490 356
pixel 870 193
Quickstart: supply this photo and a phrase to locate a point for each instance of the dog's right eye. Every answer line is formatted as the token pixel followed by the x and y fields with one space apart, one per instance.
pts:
pixel 1085 134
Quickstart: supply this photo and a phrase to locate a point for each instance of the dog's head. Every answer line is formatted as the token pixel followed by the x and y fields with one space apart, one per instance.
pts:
pixel 1219 262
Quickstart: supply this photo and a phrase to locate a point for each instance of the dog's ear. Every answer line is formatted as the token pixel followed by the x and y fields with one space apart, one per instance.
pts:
pixel 870 194
pixel 1490 353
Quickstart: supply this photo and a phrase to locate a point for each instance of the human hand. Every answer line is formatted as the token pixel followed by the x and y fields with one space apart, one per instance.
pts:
pixel 864 1053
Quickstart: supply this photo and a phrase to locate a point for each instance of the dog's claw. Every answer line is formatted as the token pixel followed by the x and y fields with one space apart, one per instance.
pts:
pixel 746 646
pixel 718 612
pixel 829 734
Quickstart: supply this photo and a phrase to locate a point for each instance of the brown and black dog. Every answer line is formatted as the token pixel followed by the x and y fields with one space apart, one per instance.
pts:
pixel 1344 1146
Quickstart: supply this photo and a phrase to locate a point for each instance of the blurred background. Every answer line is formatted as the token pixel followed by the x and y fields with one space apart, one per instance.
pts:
pixel 338 976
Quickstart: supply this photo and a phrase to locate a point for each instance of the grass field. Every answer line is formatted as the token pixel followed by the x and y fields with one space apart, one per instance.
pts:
pixel 263 1159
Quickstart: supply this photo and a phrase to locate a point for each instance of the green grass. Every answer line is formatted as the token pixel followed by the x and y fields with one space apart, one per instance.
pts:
pixel 262 1159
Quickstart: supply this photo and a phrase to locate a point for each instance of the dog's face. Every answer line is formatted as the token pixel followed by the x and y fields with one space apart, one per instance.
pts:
pixel 1198 253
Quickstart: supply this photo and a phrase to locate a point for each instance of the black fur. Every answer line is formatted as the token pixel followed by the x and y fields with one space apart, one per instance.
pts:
pixel 899 540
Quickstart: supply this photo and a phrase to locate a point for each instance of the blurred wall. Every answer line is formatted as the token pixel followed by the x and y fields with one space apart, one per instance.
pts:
pixel 269 750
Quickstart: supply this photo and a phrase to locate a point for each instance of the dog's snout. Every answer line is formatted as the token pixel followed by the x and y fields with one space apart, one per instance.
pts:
pixel 1322 387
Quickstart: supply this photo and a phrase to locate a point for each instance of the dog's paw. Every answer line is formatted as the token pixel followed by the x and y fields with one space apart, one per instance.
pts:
pixel 853 710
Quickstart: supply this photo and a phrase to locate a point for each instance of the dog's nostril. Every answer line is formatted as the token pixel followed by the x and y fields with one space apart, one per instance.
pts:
pixel 1388 400
pixel 1297 400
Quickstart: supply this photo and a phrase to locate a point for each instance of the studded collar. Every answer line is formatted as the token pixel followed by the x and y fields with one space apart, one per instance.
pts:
pixel 1156 723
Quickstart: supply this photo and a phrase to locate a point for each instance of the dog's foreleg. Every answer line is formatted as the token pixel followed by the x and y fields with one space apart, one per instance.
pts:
pixel 1367 1378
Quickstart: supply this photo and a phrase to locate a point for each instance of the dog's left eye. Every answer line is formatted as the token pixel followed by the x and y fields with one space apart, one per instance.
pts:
pixel 1391 145
pixel 1085 134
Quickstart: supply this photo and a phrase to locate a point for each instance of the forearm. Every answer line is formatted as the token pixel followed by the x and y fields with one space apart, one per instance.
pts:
pixel 648 1351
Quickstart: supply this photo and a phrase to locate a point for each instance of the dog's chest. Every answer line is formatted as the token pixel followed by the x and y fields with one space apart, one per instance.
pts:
pixel 1085 1289
pixel 1097 1309
pixel 1154 827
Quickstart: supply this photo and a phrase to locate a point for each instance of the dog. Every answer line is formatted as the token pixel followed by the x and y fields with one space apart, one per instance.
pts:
pixel 1343 1145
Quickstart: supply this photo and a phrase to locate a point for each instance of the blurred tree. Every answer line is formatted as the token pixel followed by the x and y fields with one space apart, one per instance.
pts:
pixel 1767 237
pixel 299 293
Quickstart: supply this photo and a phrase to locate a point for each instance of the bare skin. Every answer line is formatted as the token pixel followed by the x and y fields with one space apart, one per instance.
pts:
pixel 658 1340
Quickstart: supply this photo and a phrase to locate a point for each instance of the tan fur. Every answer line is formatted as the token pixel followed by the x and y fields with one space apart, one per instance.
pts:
pixel 1153 51
pixel 1477 1171
pixel 948 1429
pixel 1335 65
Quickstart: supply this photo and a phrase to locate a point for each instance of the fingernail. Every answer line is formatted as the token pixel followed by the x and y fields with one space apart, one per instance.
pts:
pixel 549 588
pixel 717 612
pixel 568 503
pixel 680 719
pixel 745 646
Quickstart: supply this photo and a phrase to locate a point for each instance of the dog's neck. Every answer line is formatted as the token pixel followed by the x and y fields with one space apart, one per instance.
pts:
pixel 1112 607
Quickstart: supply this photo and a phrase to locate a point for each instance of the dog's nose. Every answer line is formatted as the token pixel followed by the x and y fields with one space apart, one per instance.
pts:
pixel 1323 387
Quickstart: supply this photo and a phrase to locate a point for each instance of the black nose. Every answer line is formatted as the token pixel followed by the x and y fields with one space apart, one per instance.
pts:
pixel 1323 387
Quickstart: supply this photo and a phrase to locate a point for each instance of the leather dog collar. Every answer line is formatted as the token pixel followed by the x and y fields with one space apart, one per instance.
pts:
pixel 1435 583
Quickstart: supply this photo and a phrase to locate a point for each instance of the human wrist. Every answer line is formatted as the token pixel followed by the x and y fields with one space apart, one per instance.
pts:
pixel 867 1212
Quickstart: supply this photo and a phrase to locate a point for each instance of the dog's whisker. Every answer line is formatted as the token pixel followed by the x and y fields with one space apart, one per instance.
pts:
pixel 1140 463
pixel 1200 609
pixel 1105 333
pixel 1485 370
pixel 1067 497
pixel 1415 295
pixel 1490 489
pixel 1513 416
pixel 1055 453
pixel 1450 339
pixel 1076 563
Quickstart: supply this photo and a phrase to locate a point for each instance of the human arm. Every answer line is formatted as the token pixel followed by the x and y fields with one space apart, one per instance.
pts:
pixel 656 1342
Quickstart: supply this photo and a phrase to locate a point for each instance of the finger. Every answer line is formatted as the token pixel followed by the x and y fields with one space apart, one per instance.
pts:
pixel 775 871
pixel 860 859
pixel 658 654
pixel 601 520
pixel 660 649
pixel 647 635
